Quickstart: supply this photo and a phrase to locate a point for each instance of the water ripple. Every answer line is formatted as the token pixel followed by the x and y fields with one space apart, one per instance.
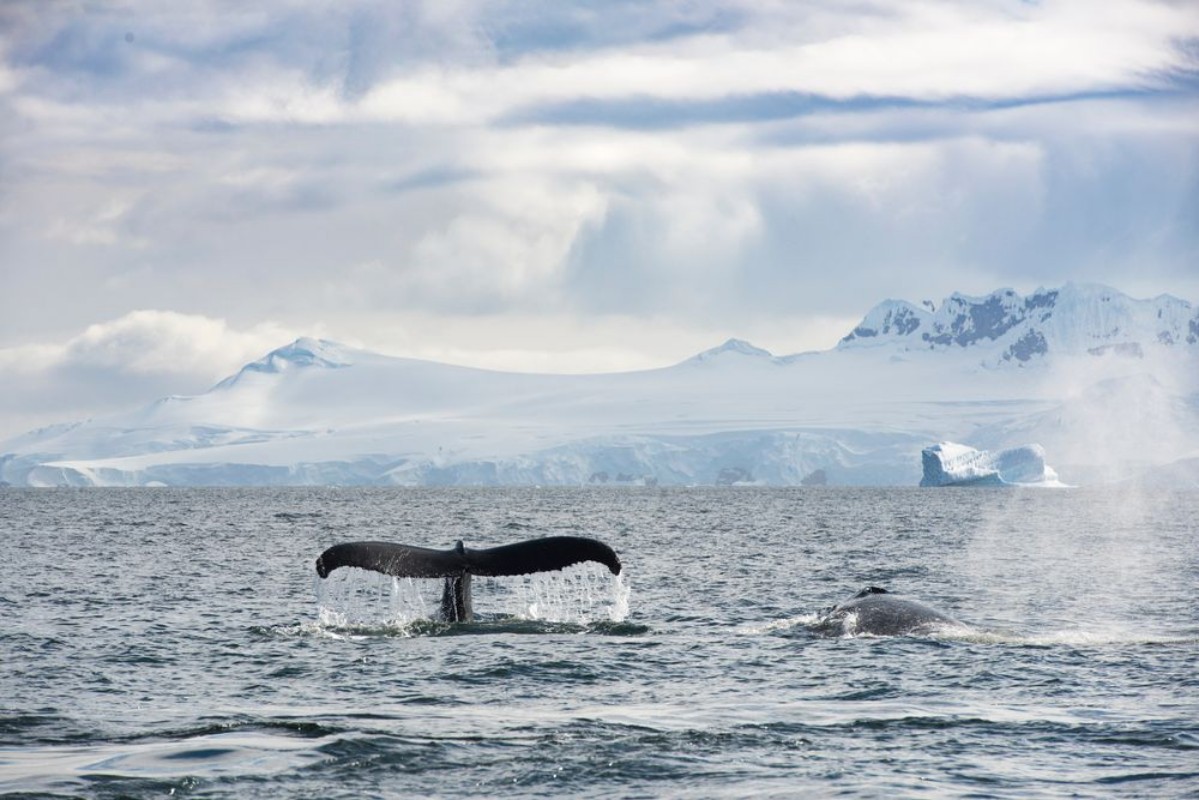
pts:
pixel 215 663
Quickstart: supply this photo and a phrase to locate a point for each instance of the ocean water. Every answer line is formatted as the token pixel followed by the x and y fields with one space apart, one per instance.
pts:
pixel 177 642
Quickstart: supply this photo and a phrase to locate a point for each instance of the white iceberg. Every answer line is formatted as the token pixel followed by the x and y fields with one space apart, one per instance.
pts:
pixel 952 464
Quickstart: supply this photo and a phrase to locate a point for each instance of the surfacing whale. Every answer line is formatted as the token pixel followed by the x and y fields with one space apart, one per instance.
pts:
pixel 459 563
pixel 877 612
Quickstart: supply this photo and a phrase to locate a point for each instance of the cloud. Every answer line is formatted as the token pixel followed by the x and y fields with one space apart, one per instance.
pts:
pixel 926 53
pixel 123 363
pixel 165 342
pixel 467 63
pixel 692 171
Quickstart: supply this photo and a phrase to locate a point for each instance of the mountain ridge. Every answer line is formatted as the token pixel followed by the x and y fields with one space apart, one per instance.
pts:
pixel 1075 318
pixel 316 411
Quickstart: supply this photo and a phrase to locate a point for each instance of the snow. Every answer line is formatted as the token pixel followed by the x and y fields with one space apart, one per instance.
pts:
pixel 1006 327
pixel 303 352
pixel 732 348
pixel 316 411
pixel 952 464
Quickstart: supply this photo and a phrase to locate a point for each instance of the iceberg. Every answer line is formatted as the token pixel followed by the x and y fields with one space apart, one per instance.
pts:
pixel 952 464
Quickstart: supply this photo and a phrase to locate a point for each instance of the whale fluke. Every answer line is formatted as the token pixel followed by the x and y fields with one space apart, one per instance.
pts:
pixel 541 555
pixel 458 564
pixel 401 560
pixel 522 558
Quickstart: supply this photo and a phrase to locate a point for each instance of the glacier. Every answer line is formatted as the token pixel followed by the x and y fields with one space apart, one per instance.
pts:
pixel 952 464
pixel 1085 371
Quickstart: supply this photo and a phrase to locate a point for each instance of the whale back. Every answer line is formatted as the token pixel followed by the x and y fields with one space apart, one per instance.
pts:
pixel 878 612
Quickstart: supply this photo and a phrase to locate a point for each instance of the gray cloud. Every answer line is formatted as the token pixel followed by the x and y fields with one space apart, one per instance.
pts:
pixel 706 169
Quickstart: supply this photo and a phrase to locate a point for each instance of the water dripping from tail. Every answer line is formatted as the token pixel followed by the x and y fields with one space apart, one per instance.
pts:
pixel 581 595
pixel 361 601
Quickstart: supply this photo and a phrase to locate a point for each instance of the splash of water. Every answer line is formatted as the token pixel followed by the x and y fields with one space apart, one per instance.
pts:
pixel 1076 638
pixel 784 624
pixel 351 598
pixel 580 595
pixel 1068 637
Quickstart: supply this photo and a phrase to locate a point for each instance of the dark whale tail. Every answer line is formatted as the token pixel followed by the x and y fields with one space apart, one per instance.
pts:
pixel 458 564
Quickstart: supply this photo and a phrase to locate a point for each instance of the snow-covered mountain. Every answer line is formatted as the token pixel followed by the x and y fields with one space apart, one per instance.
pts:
pixel 1076 319
pixel 1108 385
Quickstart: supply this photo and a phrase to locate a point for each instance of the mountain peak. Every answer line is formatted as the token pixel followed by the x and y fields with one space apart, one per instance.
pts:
pixel 307 352
pixel 735 347
pixel 889 318
pixel 303 353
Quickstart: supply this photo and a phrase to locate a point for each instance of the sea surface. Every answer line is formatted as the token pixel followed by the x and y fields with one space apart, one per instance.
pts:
pixel 177 642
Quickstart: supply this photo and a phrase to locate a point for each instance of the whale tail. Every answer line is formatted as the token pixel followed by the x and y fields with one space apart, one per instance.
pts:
pixel 459 563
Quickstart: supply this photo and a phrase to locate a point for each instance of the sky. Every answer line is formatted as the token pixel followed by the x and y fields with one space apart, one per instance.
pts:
pixel 566 187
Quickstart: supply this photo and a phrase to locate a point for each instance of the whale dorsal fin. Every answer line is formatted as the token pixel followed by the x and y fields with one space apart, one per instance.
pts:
pixel 405 561
pixel 869 590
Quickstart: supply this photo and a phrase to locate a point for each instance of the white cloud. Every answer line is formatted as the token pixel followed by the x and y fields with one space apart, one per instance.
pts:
pixel 149 342
pixel 482 181
pixel 929 51
pixel 438 67
pixel 123 363
pixel 510 240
